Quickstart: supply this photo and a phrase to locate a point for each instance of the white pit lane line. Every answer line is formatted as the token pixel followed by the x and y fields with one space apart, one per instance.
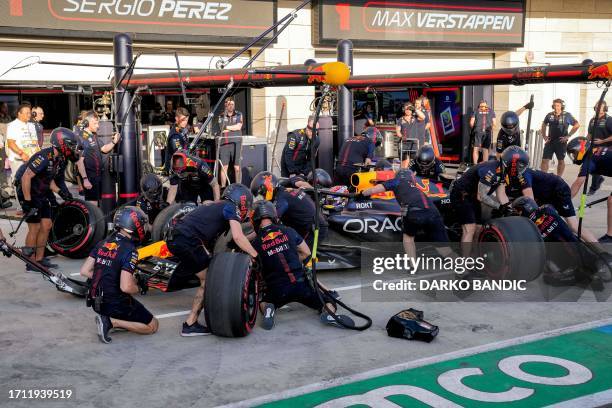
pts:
pixel 340 289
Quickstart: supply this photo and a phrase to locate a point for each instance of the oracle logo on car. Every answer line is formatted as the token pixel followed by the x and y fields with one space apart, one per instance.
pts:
pixel 365 225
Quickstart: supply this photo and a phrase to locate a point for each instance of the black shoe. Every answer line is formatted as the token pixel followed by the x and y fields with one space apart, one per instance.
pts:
pixel 104 325
pixel 605 239
pixel 47 263
pixel 328 319
pixel 268 317
pixel 334 294
pixel 30 268
pixel 195 329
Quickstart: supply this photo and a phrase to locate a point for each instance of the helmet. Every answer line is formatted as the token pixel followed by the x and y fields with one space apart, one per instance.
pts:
pixel 241 196
pixel 405 175
pixel 383 164
pixel 323 178
pixel 514 161
pixel 263 209
pixel 577 149
pixel 524 206
pixel 151 187
pixel 264 184
pixel 133 220
pixel 183 163
pixel 426 157
pixel 65 141
pixel 510 123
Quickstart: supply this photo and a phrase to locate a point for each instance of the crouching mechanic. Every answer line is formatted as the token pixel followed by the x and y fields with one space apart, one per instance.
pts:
pixel 191 178
pixel 111 266
pixel 193 239
pixel 36 181
pixel 599 163
pixel 419 212
pixel 550 224
pixel 357 149
pixel 281 253
pixel 426 164
pixel 150 200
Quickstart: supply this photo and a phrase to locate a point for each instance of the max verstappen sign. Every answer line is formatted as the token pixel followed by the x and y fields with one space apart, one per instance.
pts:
pixel 421 23
pixel 159 20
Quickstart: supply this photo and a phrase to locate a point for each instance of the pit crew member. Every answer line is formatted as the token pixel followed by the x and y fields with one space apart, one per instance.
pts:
pixel 558 122
pixel 296 153
pixel 191 178
pixel 426 164
pixel 150 200
pixel 356 149
pixel 177 139
pixel 602 136
pixel 510 131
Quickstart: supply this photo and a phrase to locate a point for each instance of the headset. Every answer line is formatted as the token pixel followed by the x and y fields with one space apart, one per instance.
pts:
pixel 558 100
pixel 605 105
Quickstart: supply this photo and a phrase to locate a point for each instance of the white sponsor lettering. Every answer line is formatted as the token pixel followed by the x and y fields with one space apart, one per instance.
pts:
pixel 361 206
pixel 365 225
pixel 577 373
pixel 451 381
pixel 378 398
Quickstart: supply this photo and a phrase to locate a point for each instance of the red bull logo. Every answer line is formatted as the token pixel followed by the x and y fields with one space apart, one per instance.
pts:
pixel 601 72
pixel 425 187
pixel 111 246
pixel 540 220
pixel 271 236
pixel 164 252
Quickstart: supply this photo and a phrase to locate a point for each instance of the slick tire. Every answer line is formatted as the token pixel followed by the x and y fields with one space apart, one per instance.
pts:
pixel 77 227
pixel 513 247
pixel 167 218
pixel 231 295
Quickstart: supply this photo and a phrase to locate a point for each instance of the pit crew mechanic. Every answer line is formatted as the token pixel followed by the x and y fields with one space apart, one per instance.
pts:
pixel 296 153
pixel 602 136
pixel 150 200
pixel 510 130
pixel 558 121
pixel 599 163
pixel 193 239
pixel 419 212
pixel 407 127
pixel 294 206
pixel 482 122
pixel 177 139
pixel 230 147
pixel 281 253
pixel 37 180
pixel 191 178
pixel 111 266
pixel 92 163
pixel 427 165
pixel 478 183
pixel 356 149
pixel 546 218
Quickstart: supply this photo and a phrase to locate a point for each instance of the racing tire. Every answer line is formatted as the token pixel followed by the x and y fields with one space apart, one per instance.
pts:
pixel 77 227
pixel 231 295
pixel 521 253
pixel 167 218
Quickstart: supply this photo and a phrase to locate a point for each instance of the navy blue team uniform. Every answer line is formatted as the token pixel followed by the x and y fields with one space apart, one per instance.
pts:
pixel 421 214
pixel 602 130
pixel 551 226
pixel 297 210
pixel 408 130
pixel 296 153
pixel 548 188
pixel 95 164
pixel 354 150
pixel 230 144
pixel 557 128
pixel 150 208
pixel 177 140
pixel 432 173
pixel 600 163
pixel 505 140
pixel 194 236
pixel 464 194
pixel 483 124
pixel 115 254
pixel 46 169
pixel 193 181
pixel 282 270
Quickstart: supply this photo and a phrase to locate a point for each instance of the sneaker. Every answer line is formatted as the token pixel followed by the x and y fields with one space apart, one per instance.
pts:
pixel 328 319
pixel 334 294
pixel 195 329
pixel 30 268
pixel 47 263
pixel 104 325
pixel 605 239
pixel 268 317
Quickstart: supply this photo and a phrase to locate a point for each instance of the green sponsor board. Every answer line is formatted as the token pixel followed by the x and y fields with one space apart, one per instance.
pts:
pixel 541 373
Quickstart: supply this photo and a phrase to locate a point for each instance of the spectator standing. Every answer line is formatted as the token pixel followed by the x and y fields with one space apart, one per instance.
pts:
pixel 38 114
pixel 21 139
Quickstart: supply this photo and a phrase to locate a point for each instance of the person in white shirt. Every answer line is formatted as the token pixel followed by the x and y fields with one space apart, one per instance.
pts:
pixel 21 139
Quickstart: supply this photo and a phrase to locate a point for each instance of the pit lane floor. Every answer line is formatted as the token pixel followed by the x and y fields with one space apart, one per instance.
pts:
pixel 48 340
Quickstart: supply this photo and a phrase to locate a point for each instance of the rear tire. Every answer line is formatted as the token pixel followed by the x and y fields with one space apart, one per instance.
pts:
pixel 231 295
pixel 167 218
pixel 521 253
pixel 77 227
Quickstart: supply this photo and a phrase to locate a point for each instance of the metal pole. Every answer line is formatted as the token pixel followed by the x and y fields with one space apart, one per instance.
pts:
pixel 345 98
pixel 129 156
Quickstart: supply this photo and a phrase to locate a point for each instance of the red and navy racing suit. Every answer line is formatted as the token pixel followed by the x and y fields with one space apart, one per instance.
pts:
pixel 296 153
pixel 600 162
pixel 177 140
pixel 95 163
pixel 433 173
pixel 194 236
pixel 282 270
pixel 420 215
pixel 548 188
pixel 505 140
pixel 193 182
pixel 230 144
pixel 464 192
pixel 354 150
pixel 46 169
pixel 152 209
pixel 551 225
pixel 297 210
pixel 115 254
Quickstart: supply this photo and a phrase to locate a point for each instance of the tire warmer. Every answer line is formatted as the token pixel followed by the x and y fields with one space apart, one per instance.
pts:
pixel 312 276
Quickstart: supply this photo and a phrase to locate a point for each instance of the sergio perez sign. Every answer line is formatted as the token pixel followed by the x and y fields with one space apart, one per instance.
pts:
pixel 159 20
pixel 433 23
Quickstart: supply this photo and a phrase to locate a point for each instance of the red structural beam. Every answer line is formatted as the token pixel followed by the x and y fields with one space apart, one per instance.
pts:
pixel 514 76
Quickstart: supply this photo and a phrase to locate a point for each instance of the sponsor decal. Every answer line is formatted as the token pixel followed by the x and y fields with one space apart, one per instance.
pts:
pixel 366 225
pixel 601 72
